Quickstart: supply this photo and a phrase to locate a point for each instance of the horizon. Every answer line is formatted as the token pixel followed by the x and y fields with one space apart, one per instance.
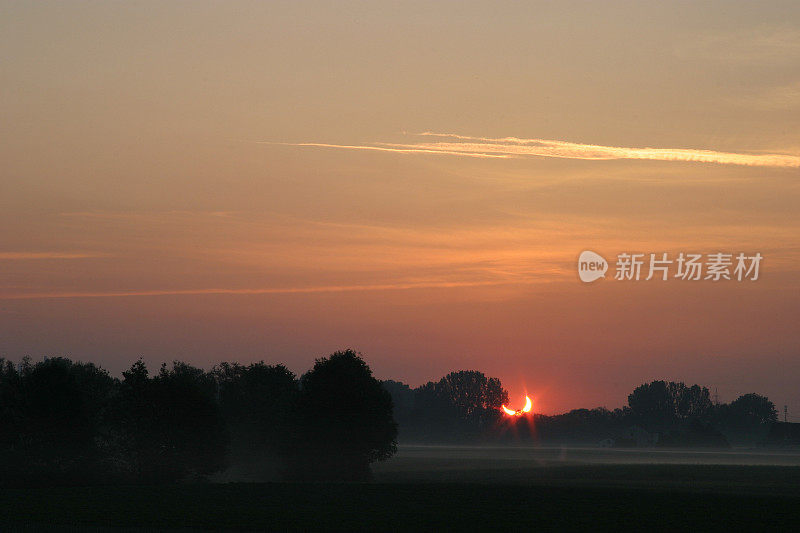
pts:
pixel 154 366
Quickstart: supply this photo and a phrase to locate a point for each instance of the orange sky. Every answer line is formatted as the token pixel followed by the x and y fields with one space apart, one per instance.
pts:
pixel 244 181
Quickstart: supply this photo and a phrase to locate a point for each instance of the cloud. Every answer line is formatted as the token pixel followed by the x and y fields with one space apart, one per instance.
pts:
pixel 273 290
pixel 48 255
pixel 506 147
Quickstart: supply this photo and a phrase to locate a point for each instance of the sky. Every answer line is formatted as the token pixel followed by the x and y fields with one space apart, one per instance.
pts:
pixel 211 181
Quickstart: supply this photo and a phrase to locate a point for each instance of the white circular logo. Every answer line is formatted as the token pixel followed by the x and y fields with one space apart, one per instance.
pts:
pixel 591 266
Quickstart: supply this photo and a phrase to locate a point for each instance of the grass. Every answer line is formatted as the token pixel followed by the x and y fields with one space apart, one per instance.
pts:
pixel 573 497
pixel 453 488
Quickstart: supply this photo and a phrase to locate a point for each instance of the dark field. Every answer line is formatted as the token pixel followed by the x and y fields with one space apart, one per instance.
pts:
pixel 455 488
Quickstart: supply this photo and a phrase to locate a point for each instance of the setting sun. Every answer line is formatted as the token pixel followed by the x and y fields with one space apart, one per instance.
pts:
pixel 526 409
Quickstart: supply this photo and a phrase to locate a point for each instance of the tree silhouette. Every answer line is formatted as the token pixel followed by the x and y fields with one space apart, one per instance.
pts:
pixel 402 406
pixel 580 425
pixel 258 403
pixel 66 422
pixel 472 393
pixel 11 421
pixel 344 420
pixel 461 405
pixel 169 426
pixel 51 415
pixel 659 404
pixel 746 420
pixel 751 410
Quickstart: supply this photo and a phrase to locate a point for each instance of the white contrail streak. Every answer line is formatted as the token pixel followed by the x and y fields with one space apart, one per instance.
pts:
pixel 399 149
pixel 570 150
pixel 513 147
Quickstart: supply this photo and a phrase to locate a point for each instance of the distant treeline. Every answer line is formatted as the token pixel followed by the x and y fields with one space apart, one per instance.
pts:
pixel 70 422
pixel 465 406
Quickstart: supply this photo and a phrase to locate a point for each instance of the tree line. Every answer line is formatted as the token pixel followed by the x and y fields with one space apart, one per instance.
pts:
pixel 68 422
pixel 672 413
pixel 71 422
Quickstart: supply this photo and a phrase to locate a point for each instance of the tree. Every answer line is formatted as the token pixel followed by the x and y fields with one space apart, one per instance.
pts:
pixel 258 403
pixel 11 422
pixel 169 426
pixel 748 416
pixel 461 405
pixel 752 410
pixel 694 403
pixel 659 404
pixel 580 425
pixel 51 418
pixel 402 401
pixel 433 417
pixel 345 420
pixel 472 393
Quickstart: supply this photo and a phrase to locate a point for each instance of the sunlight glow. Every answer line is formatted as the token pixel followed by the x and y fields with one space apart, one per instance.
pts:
pixel 526 409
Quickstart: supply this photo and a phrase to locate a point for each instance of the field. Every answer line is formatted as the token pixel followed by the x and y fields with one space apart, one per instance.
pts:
pixel 455 488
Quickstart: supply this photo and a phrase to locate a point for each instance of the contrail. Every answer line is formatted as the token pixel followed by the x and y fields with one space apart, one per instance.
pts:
pixel 399 149
pixel 514 147
pixel 570 150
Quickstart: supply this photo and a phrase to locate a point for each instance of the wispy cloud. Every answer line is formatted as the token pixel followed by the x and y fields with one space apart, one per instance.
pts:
pixel 274 290
pixel 506 147
pixel 48 255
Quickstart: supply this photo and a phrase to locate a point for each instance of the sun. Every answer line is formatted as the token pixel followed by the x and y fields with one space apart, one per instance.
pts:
pixel 526 409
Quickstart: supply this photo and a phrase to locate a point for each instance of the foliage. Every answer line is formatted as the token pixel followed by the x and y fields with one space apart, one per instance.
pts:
pixel 747 420
pixel 258 402
pixel 582 425
pixel 471 393
pixel 68 422
pixel 659 405
pixel 51 416
pixel 749 411
pixel 461 405
pixel 344 420
pixel 169 427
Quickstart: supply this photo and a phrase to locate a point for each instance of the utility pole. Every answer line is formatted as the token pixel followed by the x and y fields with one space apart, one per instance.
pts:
pixel 716 396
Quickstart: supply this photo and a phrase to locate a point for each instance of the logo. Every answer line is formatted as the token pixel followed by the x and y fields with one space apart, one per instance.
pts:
pixel 591 266
pixel 718 266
